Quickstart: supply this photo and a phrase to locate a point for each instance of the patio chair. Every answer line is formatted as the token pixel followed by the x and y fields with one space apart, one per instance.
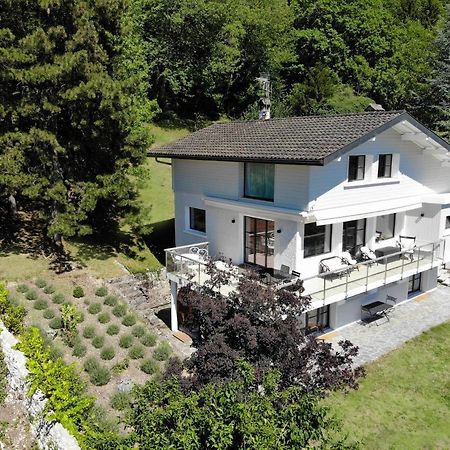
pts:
pixel 334 264
pixel 285 269
pixel 407 245
pixel 350 260
pixel 203 253
pixel 193 250
pixel 368 255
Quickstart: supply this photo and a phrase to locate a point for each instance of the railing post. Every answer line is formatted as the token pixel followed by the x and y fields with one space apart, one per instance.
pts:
pixel 403 264
pixel 324 289
pixel 432 256
pixel 418 261
pixel 385 270
pixel 346 284
pixel 367 276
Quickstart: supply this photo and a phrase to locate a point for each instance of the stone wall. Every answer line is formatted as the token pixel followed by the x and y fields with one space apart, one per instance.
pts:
pixel 49 435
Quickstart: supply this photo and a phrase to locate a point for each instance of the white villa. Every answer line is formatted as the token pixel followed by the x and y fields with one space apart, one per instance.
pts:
pixel 357 206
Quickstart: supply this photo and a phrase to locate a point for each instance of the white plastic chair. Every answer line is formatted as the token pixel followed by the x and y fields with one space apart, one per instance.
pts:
pixel 368 255
pixel 407 245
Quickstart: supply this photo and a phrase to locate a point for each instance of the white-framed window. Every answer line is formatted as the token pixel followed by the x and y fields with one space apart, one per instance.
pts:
pixel 197 219
pixel 385 166
pixel 356 167
pixel 385 227
pixel 317 239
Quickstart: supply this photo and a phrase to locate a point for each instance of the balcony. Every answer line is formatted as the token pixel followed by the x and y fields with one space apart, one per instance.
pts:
pixel 187 264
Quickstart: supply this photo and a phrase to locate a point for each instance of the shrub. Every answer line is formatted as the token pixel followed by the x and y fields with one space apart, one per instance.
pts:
pixel 70 317
pixel 98 341
pixel 49 314
pixel 129 320
pixel 67 303
pixel 110 300
pixel 40 304
pixel 12 314
pixel 78 292
pixel 120 401
pixel 162 352
pixel 126 341
pixel 104 317
pixel 58 299
pixel 91 364
pixel 149 366
pixel 121 366
pixel 22 288
pixel 100 376
pixel 136 352
pixel 40 283
pixel 138 331
pixel 70 338
pixel 89 331
pixel 108 353
pixel 95 308
pixel 101 292
pixel 79 349
pixel 119 310
pixel 31 295
pixel 55 323
pixel 49 289
pixel 113 329
pixel 149 340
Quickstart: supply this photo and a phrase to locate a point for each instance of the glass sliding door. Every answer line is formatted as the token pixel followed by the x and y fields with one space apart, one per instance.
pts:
pixel 317 319
pixel 259 242
pixel 354 236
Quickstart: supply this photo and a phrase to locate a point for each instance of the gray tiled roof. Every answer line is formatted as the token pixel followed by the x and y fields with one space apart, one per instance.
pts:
pixel 294 140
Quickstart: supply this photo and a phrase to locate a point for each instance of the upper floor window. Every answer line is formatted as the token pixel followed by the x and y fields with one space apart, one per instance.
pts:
pixel 259 181
pixel 197 219
pixel 356 166
pixel 317 239
pixel 447 222
pixel 385 227
pixel 384 166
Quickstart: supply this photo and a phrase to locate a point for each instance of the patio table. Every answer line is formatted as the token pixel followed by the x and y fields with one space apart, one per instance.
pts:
pixel 386 251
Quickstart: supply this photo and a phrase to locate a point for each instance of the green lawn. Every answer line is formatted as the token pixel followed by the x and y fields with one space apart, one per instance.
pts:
pixel 404 402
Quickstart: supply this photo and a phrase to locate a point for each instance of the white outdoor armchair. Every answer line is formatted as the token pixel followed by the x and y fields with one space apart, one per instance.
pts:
pixel 368 255
pixel 407 245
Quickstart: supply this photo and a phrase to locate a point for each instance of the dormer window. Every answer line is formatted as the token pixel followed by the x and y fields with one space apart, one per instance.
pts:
pixel 384 166
pixel 356 167
pixel 259 181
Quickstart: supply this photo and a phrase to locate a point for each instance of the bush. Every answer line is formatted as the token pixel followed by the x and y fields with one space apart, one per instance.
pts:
pixel 40 304
pixel 149 366
pixel 95 308
pixel 22 288
pixel 58 299
pixel 91 364
pixel 31 295
pixel 100 376
pixel 120 401
pixel 138 331
pixel 49 314
pixel 129 320
pixel 136 352
pixel 108 353
pixel 89 332
pixel 104 317
pixel 162 352
pixel 101 292
pixel 40 283
pixel 119 310
pixel 79 349
pixel 78 292
pixel 110 300
pixel 113 329
pixel 55 323
pixel 98 341
pixel 149 340
pixel 67 303
pixel 49 289
pixel 121 366
pixel 126 341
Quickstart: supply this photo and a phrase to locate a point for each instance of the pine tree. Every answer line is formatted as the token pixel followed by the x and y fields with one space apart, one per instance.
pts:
pixel 70 130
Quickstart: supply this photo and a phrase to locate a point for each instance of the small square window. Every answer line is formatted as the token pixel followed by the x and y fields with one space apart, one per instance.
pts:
pixel 447 222
pixel 197 219
pixel 384 166
pixel 356 167
pixel 259 181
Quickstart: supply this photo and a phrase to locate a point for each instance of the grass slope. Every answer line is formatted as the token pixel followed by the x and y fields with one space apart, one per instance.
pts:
pixel 404 402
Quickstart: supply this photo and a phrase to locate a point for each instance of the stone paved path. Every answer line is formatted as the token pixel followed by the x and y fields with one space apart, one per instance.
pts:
pixel 407 320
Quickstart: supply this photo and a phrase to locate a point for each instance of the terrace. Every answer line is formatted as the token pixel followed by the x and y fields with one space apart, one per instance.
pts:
pixel 185 266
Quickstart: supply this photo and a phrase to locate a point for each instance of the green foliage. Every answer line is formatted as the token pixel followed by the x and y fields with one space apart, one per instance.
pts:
pixel 129 320
pixel 99 375
pixel 126 341
pixel 149 366
pixel 101 292
pixel 70 317
pixel 98 341
pixel 104 317
pixel 79 349
pixel 78 292
pixel 40 304
pixel 149 340
pixel 40 283
pixel 107 353
pixel 3 378
pixel 22 288
pixel 120 401
pixel 49 314
pixel 110 300
pixel 55 323
pixel 11 314
pixel 121 366
pixel 113 329
pixel 89 331
pixel 136 352
pixel 95 308
pixel 31 295
pixel 49 289
pixel 58 299
pixel 138 331
pixel 162 352
pixel 90 364
pixel 119 310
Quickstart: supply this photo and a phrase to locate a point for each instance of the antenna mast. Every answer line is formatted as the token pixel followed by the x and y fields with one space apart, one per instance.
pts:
pixel 264 95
